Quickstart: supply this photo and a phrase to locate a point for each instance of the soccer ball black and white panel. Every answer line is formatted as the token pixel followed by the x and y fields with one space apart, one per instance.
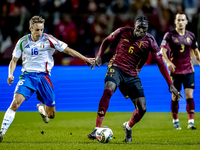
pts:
pixel 104 135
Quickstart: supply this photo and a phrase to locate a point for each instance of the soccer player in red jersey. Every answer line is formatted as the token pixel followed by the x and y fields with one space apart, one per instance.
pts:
pixel 133 46
pixel 180 43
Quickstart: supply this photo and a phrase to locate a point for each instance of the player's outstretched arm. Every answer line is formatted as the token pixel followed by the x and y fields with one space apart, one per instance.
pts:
pixel 88 61
pixel 12 67
pixel 197 55
pixel 169 64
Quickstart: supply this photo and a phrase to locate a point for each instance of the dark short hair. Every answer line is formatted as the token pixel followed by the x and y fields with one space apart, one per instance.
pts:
pixel 141 18
pixel 181 13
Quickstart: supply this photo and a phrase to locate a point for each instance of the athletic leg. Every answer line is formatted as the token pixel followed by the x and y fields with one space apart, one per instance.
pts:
pixel 140 105
pixel 190 107
pixel 140 110
pixel 135 91
pixel 46 112
pixel 10 113
pixel 174 110
pixel 45 93
pixel 177 81
pixel 110 88
pixel 113 79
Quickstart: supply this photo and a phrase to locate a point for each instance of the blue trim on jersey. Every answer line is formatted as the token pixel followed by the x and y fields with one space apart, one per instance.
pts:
pixel 30 38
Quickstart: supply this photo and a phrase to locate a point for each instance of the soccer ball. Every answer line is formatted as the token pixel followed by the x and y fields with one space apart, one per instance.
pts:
pixel 104 135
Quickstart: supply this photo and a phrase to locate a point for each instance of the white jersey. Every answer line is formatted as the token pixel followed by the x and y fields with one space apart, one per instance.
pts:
pixel 37 56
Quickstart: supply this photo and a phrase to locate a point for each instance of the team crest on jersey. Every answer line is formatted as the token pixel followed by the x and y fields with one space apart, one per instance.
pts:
pixel 188 39
pixel 176 40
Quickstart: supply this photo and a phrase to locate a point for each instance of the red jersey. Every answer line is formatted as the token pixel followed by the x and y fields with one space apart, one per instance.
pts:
pixel 131 53
pixel 180 48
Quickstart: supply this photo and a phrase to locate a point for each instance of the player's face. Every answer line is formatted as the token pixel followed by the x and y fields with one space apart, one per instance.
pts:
pixel 36 31
pixel 180 21
pixel 140 29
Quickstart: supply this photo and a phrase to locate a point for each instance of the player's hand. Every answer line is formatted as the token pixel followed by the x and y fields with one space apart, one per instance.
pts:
pixel 90 62
pixel 171 66
pixel 10 79
pixel 173 90
pixel 98 61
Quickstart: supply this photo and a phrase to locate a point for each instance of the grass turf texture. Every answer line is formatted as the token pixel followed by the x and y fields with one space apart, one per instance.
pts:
pixel 69 130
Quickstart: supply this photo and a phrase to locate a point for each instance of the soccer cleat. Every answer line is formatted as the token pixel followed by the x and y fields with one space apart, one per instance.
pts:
pixel 92 135
pixel 128 133
pixel 191 126
pixel 177 126
pixel 1 136
pixel 42 113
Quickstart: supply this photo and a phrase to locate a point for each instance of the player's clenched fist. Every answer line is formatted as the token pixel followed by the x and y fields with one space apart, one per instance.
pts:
pixel 10 79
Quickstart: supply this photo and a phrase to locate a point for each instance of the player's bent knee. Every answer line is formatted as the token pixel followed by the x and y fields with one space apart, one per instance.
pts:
pixel 142 111
pixel 188 95
pixel 15 105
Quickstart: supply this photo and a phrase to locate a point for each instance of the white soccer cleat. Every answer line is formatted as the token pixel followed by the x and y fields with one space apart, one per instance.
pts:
pixel 42 113
pixel 128 133
pixel 177 126
pixel 1 136
pixel 191 126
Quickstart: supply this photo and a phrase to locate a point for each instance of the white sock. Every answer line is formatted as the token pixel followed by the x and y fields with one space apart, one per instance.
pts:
pixel 7 120
pixel 175 120
pixel 41 109
pixel 127 127
pixel 96 128
pixel 191 121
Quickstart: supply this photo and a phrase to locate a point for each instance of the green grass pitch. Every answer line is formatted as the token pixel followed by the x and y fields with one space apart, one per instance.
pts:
pixel 69 130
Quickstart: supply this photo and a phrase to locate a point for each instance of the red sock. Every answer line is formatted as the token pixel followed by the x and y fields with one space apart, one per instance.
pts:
pixel 137 115
pixel 190 108
pixel 103 106
pixel 174 109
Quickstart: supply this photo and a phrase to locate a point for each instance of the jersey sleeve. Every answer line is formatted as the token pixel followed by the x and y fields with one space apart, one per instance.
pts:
pixel 165 41
pixel 109 39
pixel 57 44
pixel 194 42
pixel 18 49
pixel 157 55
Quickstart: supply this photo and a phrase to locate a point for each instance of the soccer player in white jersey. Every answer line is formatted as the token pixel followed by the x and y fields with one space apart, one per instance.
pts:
pixel 36 49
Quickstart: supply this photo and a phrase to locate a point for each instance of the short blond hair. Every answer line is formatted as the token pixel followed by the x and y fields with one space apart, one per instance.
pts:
pixel 36 19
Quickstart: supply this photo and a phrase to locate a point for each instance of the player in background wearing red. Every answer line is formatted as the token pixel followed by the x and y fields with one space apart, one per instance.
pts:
pixel 180 43
pixel 133 46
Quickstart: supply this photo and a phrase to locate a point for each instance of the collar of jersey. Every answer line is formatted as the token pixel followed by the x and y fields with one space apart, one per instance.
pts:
pixel 36 41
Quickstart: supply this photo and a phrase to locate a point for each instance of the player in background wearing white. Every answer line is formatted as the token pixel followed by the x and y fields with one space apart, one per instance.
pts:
pixel 36 49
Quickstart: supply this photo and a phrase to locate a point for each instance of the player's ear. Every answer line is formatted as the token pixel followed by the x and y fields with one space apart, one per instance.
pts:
pixel 30 28
pixel 186 21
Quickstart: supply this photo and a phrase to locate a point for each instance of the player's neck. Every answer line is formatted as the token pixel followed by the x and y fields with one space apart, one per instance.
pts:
pixel 34 39
pixel 180 32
